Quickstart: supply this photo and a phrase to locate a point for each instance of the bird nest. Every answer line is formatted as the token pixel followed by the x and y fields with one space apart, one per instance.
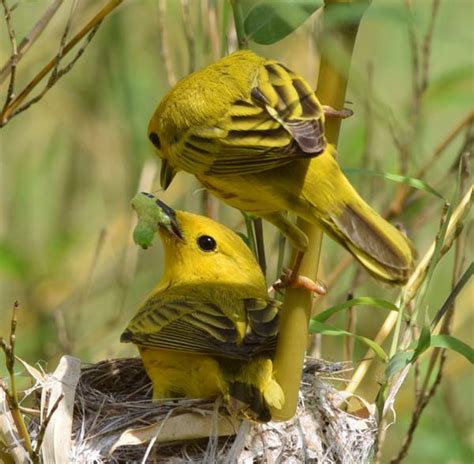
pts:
pixel 106 416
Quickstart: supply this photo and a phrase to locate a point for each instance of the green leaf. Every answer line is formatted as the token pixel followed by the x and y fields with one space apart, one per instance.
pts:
pixel 360 301
pixel 412 182
pixel 454 344
pixel 324 329
pixel 423 343
pixel 269 21
pixel 398 362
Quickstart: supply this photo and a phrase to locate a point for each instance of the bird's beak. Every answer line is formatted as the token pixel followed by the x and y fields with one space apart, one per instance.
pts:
pixel 167 174
pixel 168 220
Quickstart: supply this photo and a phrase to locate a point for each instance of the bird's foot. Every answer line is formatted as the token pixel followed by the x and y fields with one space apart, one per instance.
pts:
pixel 290 279
pixel 330 112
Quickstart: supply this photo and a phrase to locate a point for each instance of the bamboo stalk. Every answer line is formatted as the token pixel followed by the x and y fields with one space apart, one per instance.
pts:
pixel 332 84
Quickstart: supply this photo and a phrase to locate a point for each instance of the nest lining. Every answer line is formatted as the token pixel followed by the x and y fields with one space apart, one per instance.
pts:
pixel 115 395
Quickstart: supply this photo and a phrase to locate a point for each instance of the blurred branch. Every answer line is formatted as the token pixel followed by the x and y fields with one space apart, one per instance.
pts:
pixel 209 15
pixel 426 393
pixel 209 205
pixel 403 191
pixel 189 35
pixel 258 226
pixel 420 78
pixel 85 291
pixel 426 50
pixel 13 57
pixel 11 391
pixel 88 31
pixel 129 257
pixel 415 59
pixel 410 290
pixel 31 37
pixel 164 44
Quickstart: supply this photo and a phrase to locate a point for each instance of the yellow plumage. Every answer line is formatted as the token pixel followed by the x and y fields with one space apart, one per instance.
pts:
pixel 208 328
pixel 252 131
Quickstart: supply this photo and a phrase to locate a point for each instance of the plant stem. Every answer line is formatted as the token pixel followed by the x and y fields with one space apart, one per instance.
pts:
pixel 12 392
pixel 242 39
pixel 250 233
pixel 296 311
pixel 94 22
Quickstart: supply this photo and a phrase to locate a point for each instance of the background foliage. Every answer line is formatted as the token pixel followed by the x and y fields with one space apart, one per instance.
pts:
pixel 70 165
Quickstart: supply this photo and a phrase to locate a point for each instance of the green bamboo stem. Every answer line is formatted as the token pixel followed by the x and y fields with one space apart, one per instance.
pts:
pixel 296 311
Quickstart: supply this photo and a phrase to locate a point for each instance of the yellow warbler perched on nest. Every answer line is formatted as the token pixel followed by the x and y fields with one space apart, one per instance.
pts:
pixel 252 131
pixel 208 328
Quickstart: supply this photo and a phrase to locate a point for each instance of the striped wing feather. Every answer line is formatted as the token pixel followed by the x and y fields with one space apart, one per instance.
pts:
pixel 281 120
pixel 199 327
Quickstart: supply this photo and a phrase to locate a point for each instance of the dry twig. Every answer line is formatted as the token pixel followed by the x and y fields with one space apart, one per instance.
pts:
pixel 438 356
pixel 16 105
pixel 45 419
pixel 14 55
pixel 189 35
pixel 11 391
pixel 31 37
pixel 164 43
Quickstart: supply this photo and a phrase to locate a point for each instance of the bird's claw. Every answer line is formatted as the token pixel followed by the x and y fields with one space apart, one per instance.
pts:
pixel 333 113
pixel 287 279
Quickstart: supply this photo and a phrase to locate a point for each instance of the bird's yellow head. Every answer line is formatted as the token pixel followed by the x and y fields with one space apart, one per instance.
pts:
pixel 197 249
pixel 208 252
pixel 199 100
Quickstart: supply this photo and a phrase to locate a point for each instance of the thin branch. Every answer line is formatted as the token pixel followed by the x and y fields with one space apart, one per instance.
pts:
pixel 211 27
pixel 189 35
pixel 164 44
pixel 31 37
pixel 89 29
pixel 14 55
pixel 11 392
pixel 257 224
pixel 447 310
pixel 420 407
pixel 242 39
pixel 415 60
pixel 54 73
pixel 45 420
pixel 404 191
pixel 210 205
pixel 412 287
pixel 250 233
pixel 57 74
pixel 420 79
pixel 426 47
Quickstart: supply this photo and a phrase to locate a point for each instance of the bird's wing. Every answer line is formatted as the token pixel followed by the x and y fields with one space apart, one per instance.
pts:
pixel 198 327
pixel 280 121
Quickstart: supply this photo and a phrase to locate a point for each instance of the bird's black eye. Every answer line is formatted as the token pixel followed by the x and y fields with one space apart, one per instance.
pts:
pixel 206 243
pixel 154 139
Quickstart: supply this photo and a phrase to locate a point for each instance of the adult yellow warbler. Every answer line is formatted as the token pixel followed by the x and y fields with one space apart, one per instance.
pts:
pixel 208 328
pixel 252 131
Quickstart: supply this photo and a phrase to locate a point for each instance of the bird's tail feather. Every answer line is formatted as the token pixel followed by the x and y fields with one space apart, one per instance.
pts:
pixel 253 390
pixel 379 246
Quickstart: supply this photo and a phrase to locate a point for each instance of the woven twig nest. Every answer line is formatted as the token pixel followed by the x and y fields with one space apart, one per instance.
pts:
pixel 106 416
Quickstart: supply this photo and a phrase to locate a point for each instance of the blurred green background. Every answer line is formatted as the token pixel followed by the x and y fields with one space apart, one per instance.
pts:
pixel 70 165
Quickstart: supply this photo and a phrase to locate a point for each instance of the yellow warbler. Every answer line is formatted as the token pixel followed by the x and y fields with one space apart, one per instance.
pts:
pixel 252 131
pixel 208 328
